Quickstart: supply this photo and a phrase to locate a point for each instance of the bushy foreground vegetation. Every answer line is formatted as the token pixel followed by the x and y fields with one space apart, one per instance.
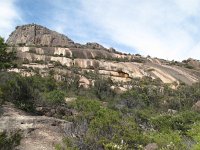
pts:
pixel 151 112
pixel 6 57
pixel 8 141
pixel 106 120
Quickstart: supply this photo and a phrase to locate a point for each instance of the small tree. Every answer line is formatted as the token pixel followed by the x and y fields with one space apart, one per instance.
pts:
pixel 55 97
pixel 6 57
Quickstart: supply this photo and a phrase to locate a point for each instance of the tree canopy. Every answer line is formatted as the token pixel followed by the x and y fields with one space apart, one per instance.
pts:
pixel 6 57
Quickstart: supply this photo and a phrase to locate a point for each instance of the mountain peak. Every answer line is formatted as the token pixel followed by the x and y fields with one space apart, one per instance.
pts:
pixel 37 35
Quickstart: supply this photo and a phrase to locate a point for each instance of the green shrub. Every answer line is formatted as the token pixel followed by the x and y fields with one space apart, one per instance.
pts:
pixel 102 89
pixel 55 97
pixel 67 144
pixel 9 141
pixel 133 99
pixel 168 140
pixel 181 121
pixel 86 105
pixel 17 89
pixel 189 66
pixel 194 133
pixel 104 121
pixel 6 57
pixel 42 84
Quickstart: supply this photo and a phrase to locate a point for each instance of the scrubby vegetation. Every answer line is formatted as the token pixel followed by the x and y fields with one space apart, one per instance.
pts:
pixel 107 120
pixel 150 112
pixel 6 57
pixel 8 141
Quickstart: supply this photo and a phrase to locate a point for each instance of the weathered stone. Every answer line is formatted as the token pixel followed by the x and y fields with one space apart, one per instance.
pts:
pixel 94 46
pixel 172 111
pixel 70 99
pixel 57 49
pixel 84 82
pixel 37 35
pixel 196 106
pixel 151 146
pixel 38 132
pixel 118 90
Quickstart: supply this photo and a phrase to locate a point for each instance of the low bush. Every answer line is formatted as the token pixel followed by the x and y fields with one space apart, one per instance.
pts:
pixel 168 140
pixel 55 97
pixel 8 141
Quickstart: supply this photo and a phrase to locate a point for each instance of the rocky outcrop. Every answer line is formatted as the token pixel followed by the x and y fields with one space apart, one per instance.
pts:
pixel 38 132
pixel 37 35
pixel 151 146
pixel 192 63
pixel 118 71
pixel 44 49
pixel 196 106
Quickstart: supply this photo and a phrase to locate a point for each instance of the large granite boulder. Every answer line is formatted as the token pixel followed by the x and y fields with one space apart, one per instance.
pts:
pixel 36 35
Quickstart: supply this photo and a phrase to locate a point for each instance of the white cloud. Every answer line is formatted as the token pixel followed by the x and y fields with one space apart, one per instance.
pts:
pixel 161 28
pixel 165 29
pixel 9 17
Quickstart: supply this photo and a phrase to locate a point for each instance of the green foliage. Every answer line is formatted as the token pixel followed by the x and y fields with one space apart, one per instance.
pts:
pixel 55 97
pixel 9 141
pixel 114 146
pixel 42 84
pixel 87 108
pixel 106 126
pixel 17 90
pixel 130 133
pixel 86 105
pixel 67 144
pixel 26 92
pixel 188 66
pixel 133 99
pixel 194 133
pixel 103 122
pixel 6 57
pixel 102 89
pixel 70 85
pixel 181 121
pixel 103 119
pixel 168 140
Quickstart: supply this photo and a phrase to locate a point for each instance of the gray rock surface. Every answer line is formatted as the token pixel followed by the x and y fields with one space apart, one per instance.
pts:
pixel 196 106
pixel 51 47
pixel 37 35
pixel 39 132
pixel 151 146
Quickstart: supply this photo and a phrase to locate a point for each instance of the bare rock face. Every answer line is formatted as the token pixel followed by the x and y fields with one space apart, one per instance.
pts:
pixel 196 106
pixel 37 35
pixel 38 132
pixel 94 46
pixel 37 44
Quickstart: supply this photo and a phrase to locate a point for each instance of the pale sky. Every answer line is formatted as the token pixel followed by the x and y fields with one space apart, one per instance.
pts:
pixel 168 29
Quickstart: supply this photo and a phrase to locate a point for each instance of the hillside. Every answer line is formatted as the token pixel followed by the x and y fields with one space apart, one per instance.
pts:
pixel 58 94
pixel 42 48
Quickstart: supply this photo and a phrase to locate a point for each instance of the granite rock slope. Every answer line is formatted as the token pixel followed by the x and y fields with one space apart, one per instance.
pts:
pixel 42 48
pixel 38 132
